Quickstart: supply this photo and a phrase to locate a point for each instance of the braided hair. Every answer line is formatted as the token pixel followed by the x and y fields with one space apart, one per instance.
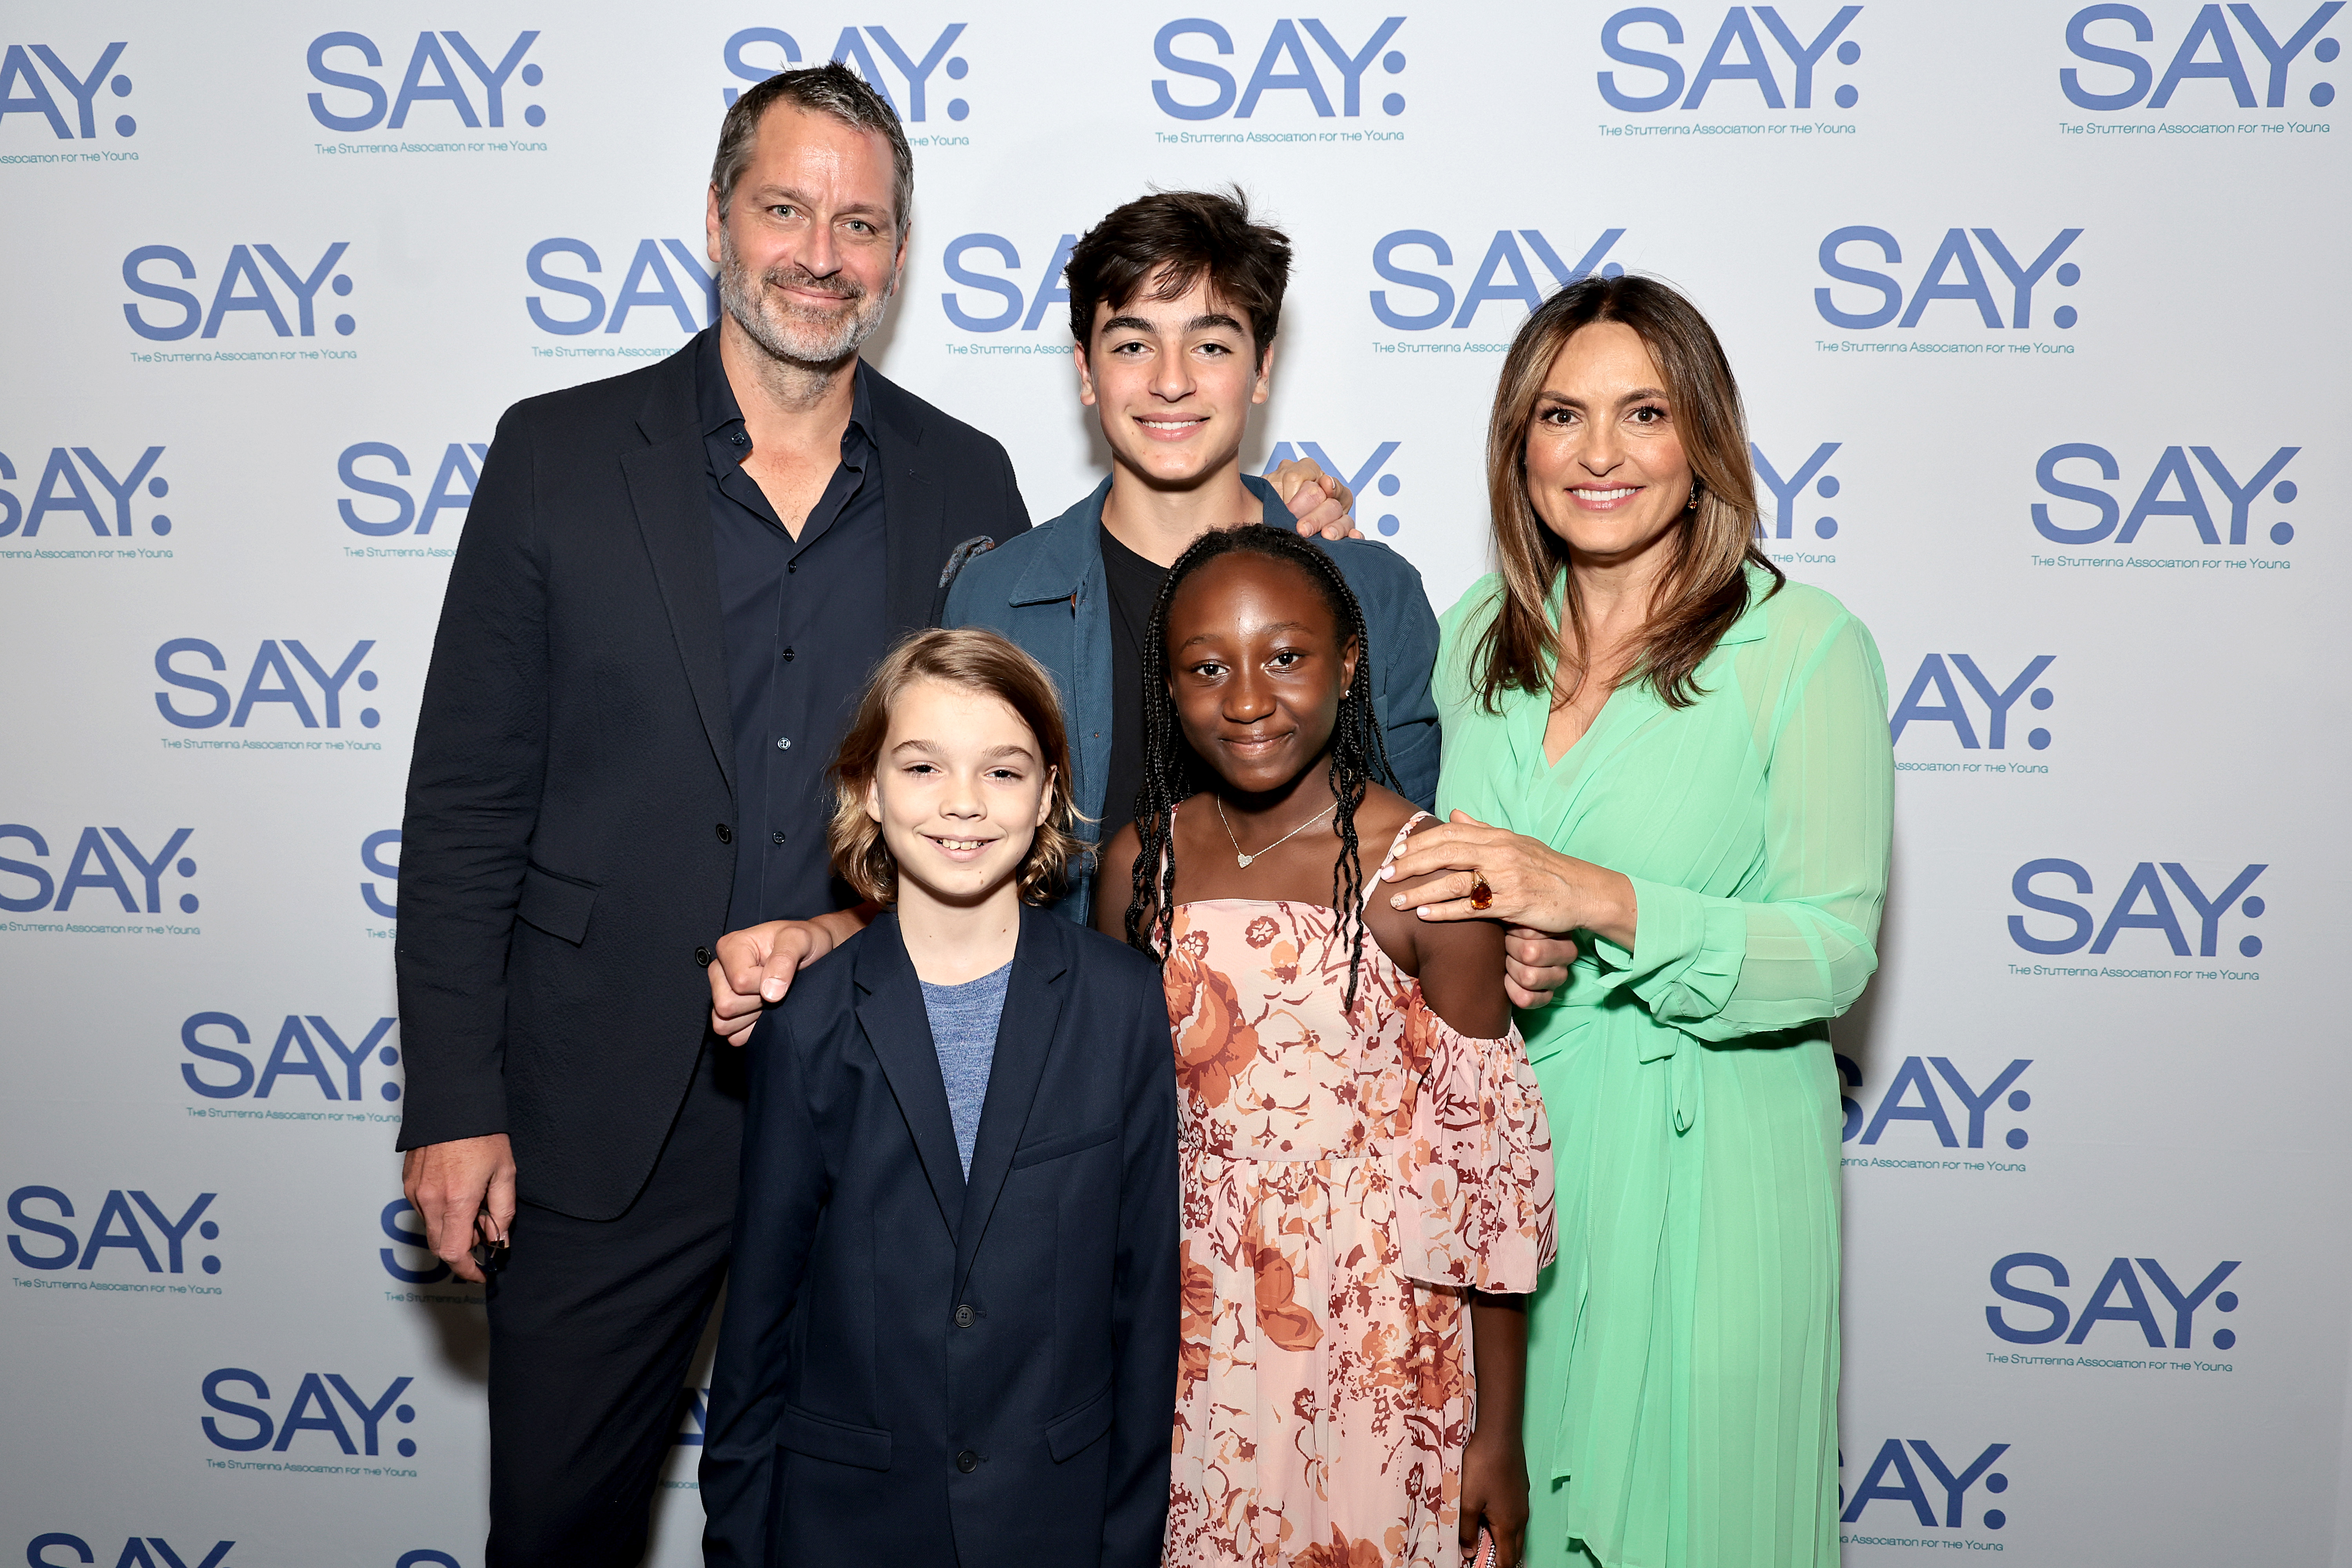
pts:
pixel 1359 751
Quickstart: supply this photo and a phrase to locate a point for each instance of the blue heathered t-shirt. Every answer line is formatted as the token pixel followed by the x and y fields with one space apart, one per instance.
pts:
pixel 963 1031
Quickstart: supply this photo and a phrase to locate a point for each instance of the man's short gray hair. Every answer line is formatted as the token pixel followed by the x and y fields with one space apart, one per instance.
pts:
pixel 830 89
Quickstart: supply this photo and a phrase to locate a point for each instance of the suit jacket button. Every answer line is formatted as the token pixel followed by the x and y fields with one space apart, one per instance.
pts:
pixel 967 1462
pixel 726 834
pixel 702 958
pixel 965 1316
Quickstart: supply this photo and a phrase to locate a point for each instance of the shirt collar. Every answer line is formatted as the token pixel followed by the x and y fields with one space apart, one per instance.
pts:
pixel 714 396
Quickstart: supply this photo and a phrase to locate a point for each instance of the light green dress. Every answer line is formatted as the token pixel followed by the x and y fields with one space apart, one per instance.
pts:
pixel 1682 1354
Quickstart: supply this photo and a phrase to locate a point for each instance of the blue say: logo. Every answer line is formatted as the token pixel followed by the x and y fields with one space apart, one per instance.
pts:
pixel 1912 1096
pixel 2172 490
pixel 1503 274
pixel 295 1055
pixel 251 265
pixel 1954 273
pixel 451 489
pixel 957 261
pixel 1285 47
pixel 858 46
pixel 135 1552
pixel 1753 64
pixel 445 85
pixel 1891 1478
pixel 2276 50
pixel 2142 888
pixel 93 864
pixel 270 681
pixel 60 489
pixel 16 71
pixel 690 294
pixel 1935 680
pixel 313 1410
pixel 2121 1280
pixel 116 1227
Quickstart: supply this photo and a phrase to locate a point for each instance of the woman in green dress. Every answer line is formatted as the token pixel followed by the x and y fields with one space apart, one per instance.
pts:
pixel 1656 743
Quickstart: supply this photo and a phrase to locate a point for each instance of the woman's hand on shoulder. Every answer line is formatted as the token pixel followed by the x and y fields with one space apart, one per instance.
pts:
pixel 1460 966
pixel 1528 882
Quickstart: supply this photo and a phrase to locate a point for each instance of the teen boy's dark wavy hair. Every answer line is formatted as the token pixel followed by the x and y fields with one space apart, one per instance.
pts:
pixel 1359 753
pixel 1181 236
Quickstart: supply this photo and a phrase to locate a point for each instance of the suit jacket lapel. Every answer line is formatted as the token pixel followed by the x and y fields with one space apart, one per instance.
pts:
pixel 1024 1038
pixel 915 544
pixel 666 479
pixel 890 1011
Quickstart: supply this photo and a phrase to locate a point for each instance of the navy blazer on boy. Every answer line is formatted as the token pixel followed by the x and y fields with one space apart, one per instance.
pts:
pixel 916 1368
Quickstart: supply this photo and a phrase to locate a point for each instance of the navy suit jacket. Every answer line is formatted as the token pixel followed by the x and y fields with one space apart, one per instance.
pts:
pixel 916 1368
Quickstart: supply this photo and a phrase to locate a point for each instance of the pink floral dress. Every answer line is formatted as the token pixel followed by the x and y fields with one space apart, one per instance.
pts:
pixel 1347 1179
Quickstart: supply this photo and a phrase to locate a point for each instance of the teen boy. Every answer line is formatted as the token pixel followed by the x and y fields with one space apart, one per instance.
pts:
pixel 1174 303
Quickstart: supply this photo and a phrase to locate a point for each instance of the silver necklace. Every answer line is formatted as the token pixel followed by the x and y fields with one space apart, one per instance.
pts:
pixel 1242 860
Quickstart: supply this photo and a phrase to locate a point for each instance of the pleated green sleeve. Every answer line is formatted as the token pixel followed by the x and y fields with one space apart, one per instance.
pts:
pixel 1797 940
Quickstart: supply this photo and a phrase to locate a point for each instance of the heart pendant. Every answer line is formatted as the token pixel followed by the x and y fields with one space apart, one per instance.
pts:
pixel 1243 860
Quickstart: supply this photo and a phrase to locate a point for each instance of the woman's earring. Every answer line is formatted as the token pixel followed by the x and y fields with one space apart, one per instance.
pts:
pixel 1693 504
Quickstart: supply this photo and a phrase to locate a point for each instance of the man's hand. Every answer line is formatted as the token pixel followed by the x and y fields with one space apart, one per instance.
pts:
pixel 755 967
pixel 1318 501
pixel 450 1184
pixel 1535 965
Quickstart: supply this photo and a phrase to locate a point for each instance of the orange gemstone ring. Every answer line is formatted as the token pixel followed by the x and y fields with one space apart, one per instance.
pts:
pixel 1482 897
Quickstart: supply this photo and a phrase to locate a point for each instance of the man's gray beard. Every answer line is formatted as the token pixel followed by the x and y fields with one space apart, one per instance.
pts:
pixel 807 340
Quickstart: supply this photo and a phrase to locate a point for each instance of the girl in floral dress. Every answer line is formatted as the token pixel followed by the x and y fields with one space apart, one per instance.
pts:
pixel 1366 1169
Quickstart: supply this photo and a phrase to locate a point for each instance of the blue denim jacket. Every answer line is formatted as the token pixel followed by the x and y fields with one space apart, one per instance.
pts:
pixel 1046 590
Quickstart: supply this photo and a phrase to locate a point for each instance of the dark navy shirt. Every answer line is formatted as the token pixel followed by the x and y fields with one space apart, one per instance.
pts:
pixel 804 622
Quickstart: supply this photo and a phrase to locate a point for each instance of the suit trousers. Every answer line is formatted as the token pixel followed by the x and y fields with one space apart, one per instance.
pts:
pixel 593 1326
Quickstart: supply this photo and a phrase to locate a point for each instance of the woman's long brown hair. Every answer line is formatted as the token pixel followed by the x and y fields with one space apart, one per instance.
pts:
pixel 1704 589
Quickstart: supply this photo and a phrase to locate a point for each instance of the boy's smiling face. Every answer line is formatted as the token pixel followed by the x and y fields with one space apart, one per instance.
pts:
pixel 960 792
pixel 1173 382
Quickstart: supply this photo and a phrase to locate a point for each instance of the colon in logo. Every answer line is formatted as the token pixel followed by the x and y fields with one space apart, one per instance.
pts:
pixel 1738 53
pixel 1503 274
pixel 159 1244
pixel 2114 76
pixel 25 89
pixel 1286 65
pixel 1957 272
pixel 1375 474
pixel 244 288
pixel 2125 1294
pixel 864 49
pixel 2142 903
pixel 432 78
pixel 2172 489
pixel 68 478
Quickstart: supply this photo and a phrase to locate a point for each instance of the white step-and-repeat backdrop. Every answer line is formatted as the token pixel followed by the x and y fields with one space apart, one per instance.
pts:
pixel 2041 314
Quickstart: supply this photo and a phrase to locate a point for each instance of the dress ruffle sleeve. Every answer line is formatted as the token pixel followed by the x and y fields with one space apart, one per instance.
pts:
pixel 1471 1169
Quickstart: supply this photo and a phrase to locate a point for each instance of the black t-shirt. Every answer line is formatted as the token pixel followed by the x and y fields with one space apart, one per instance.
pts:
pixel 1134 588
